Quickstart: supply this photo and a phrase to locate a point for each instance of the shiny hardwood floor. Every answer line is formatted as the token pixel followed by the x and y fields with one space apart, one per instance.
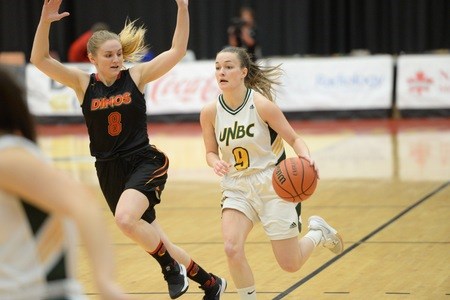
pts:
pixel 384 185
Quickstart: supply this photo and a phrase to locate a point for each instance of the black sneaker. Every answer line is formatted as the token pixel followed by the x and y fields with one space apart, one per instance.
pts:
pixel 175 275
pixel 214 292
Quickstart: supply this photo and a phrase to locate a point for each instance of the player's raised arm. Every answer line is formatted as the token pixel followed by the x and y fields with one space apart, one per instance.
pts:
pixel 164 62
pixel 40 53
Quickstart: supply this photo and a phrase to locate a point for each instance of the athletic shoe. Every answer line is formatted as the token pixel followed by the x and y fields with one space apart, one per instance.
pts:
pixel 330 237
pixel 175 275
pixel 214 292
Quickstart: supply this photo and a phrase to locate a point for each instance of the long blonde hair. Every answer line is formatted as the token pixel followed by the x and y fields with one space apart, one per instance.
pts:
pixel 132 39
pixel 260 78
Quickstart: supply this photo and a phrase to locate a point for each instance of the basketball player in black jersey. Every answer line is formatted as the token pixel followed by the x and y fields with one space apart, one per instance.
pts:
pixel 131 172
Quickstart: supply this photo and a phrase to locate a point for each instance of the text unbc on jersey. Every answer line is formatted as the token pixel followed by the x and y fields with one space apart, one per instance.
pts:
pixel 236 132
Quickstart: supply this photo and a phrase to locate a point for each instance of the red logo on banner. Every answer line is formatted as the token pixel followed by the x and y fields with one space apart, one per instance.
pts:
pixel 419 83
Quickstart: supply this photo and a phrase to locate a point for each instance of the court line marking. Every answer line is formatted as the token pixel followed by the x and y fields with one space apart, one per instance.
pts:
pixel 349 249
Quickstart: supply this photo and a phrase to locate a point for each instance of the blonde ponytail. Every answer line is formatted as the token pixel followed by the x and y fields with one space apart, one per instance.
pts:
pixel 132 39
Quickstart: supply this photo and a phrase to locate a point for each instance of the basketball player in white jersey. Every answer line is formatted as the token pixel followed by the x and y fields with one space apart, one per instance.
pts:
pixel 37 240
pixel 249 129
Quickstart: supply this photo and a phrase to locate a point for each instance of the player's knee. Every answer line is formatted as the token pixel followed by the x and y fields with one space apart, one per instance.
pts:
pixel 125 223
pixel 232 250
pixel 290 264
pixel 289 267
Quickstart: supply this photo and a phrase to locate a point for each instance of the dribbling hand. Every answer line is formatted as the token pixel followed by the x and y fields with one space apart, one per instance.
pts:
pixel 312 163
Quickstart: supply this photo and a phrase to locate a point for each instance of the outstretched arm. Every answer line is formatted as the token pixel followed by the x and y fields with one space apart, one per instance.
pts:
pixel 40 53
pixel 164 62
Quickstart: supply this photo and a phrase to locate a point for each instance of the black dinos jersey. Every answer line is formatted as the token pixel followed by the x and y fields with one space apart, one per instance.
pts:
pixel 115 116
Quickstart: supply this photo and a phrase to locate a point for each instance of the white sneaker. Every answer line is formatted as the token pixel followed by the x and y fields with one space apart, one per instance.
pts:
pixel 330 237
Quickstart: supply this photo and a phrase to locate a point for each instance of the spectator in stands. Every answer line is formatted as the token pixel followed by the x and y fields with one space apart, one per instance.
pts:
pixel 242 32
pixel 78 49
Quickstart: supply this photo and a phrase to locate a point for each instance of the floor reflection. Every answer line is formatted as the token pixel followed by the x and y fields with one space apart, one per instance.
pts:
pixel 377 152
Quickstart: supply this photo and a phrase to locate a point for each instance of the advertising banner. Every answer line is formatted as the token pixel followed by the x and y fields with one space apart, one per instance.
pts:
pixel 336 83
pixel 307 84
pixel 423 82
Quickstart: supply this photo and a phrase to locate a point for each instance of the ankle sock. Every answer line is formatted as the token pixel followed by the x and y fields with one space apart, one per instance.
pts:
pixel 161 255
pixel 315 236
pixel 197 274
pixel 248 293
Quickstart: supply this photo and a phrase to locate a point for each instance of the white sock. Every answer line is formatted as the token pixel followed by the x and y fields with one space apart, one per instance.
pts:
pixel 248 293
pixel 315 236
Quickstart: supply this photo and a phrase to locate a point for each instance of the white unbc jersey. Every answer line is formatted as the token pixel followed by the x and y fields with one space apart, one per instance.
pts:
pixel 253 149
pixel 36 261
pixel 245 140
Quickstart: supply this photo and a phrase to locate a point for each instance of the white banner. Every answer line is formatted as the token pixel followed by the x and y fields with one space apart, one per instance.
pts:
pixel 185 89
pixel 423 82
pixel 336 83
pixel 308 84
pixel 47 97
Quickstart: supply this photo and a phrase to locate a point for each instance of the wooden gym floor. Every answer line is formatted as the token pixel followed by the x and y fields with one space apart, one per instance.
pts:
pixel 384 185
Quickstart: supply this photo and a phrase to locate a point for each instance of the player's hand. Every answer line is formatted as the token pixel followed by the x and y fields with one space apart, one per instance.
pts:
pixel 50 11
pixel 312 163
pixel 221 167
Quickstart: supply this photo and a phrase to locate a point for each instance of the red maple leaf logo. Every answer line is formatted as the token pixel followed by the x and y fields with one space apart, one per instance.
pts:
pixel 419 83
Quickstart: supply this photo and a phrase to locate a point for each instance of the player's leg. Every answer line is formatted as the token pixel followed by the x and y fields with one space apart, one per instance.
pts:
pixel 212 285
pixel 128 217
pixel 132 202
pixel 235 229
pixel 291 254
pixel 131 207
pixel 281 222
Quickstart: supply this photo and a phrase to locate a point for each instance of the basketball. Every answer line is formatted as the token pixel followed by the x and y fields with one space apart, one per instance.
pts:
pixel 294 179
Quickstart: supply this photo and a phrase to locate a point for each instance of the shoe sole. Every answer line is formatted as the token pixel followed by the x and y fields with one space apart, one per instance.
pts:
pixel 186 283
pixel 342 243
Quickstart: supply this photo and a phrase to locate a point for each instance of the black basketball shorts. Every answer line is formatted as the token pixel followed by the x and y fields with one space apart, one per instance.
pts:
pixel 144 170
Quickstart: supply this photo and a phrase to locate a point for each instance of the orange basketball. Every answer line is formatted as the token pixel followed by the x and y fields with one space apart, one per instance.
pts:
pixel 294 179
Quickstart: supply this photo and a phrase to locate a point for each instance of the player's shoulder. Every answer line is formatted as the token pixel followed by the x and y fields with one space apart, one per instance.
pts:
pixel 209 110
pixel 210 107
pixel 261 101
